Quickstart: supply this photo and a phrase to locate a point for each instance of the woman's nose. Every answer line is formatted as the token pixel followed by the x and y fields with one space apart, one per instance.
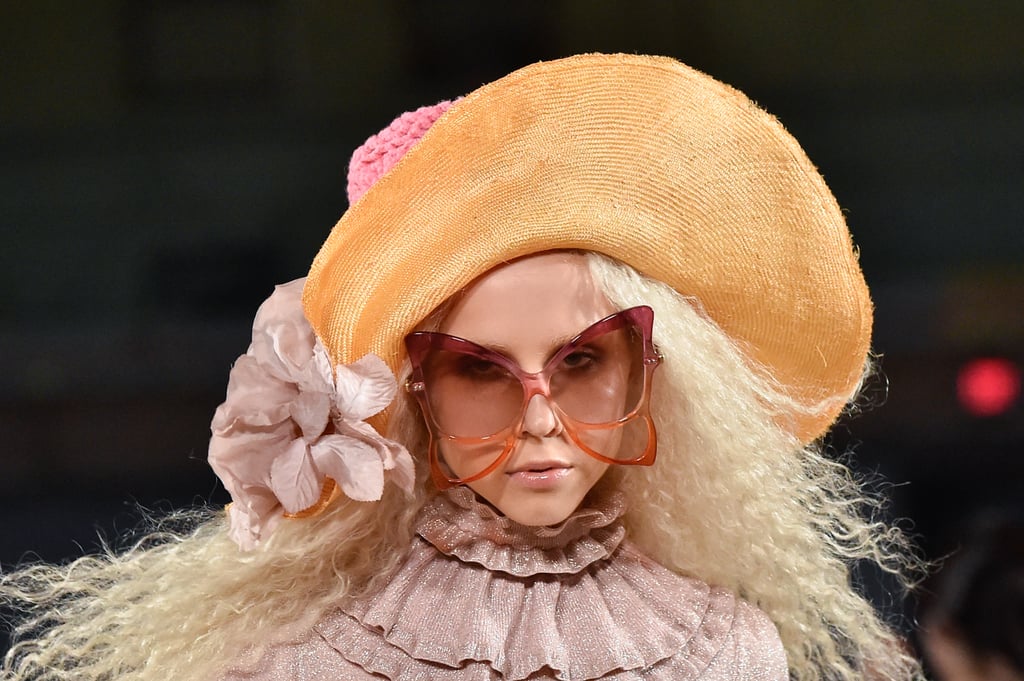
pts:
pixel 540 419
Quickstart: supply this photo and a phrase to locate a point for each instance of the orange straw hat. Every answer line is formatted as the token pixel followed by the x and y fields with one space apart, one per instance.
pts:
pixel 640 158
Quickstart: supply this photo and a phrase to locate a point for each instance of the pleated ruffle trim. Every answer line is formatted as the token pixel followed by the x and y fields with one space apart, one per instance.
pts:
pixel 446 616
pixel 460 525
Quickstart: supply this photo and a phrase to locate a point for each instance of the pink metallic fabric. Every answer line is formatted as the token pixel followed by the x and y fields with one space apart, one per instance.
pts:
pixel 481 597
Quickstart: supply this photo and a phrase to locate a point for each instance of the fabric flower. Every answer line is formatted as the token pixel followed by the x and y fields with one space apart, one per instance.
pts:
pixel 290 424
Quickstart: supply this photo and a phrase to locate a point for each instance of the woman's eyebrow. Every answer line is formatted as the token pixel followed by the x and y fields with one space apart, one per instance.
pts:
pixel 554 345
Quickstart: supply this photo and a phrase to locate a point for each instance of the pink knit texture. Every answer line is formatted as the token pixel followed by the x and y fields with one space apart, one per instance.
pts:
pixel 382 151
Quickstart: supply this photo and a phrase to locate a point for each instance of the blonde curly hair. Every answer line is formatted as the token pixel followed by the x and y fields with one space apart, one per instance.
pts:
pixel 734 499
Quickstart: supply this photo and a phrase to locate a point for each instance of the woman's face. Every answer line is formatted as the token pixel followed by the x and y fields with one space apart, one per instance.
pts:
pixel 527 310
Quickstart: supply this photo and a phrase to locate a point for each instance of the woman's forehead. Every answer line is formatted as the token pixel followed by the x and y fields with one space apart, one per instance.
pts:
pixel 546 296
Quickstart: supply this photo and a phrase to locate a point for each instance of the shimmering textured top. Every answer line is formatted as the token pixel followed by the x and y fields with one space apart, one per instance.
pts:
pixel 482 597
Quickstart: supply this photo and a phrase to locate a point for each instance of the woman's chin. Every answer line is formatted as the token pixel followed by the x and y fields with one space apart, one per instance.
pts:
pixel 537 506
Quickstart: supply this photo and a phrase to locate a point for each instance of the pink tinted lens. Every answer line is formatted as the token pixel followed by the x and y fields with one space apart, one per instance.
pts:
pixel 470 395
pixel 601 379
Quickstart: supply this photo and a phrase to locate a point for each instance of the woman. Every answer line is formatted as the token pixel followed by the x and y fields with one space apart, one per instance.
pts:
pixel 585 268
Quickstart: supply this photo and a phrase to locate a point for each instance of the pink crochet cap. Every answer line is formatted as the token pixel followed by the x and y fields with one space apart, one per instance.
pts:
pixel 382 151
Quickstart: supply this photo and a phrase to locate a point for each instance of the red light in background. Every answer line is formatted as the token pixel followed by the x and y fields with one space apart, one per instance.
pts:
pixel 988 386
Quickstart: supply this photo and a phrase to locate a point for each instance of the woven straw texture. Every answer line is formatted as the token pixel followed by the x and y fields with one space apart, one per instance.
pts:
pixel 640 158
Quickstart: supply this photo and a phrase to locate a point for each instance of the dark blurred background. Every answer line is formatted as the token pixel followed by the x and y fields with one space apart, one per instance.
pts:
pixel 163 164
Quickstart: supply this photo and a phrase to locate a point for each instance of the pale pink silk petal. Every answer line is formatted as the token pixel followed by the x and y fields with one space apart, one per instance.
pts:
pixel 294 479
pixel 393 455
pixel 243 460
pixel 311 411
pixel 280 337
pixel 253 398
pixel 253 519
pixel 364 387
pixel 403 472
pixel 354 465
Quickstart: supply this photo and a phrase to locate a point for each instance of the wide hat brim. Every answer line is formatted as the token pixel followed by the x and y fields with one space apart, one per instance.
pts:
pixel 640 158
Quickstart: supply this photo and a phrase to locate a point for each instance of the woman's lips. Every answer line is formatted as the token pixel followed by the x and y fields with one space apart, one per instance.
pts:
pixel 539 475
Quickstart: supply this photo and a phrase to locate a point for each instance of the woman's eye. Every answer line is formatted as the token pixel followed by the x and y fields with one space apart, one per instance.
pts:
pixel 580 359
pixel 479 369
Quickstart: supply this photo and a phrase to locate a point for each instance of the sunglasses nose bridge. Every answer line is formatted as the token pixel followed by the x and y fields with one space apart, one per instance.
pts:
pixel 538 383
pixel 535 383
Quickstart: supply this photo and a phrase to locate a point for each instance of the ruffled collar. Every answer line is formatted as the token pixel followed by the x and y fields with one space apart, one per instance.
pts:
pixel 480 597
pixel 458 524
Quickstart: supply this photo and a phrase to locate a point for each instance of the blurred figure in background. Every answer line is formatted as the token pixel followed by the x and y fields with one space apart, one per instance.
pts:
pixel 972 616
